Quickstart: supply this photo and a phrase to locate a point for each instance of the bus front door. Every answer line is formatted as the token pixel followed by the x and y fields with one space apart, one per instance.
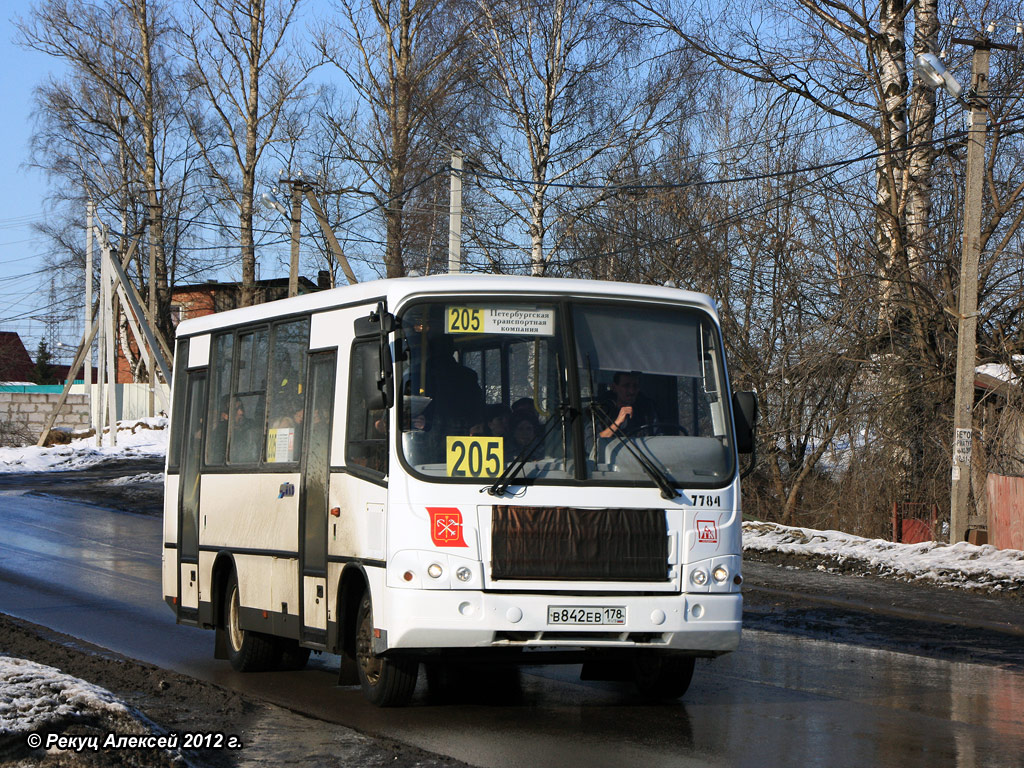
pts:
pixel 313 497
pixel 188 497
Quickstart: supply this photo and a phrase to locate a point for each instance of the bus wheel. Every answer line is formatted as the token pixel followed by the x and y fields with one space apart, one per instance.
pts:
pixel 386 682
pixel 248 651
pixel 660 677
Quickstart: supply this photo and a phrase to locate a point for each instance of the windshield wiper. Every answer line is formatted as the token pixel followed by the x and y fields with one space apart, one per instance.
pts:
pixel 501 483
pixel 668 491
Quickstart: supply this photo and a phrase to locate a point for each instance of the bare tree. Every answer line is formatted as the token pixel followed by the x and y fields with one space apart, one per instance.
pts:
pixel 243 78
pixel 569 97
pixel 110 129
pixel 399 59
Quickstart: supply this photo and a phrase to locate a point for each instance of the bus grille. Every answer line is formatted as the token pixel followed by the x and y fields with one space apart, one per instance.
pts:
pixel 567 544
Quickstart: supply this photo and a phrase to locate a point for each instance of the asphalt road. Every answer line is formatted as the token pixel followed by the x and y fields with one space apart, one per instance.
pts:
pixel 781 699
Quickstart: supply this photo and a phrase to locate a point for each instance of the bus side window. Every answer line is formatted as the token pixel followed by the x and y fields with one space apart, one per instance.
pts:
pixel 366 433
pixel 248 396
pixel 287 391
pixel 219 414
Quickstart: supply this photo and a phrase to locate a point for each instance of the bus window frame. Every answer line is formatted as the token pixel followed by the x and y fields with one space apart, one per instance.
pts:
pixel 303 355
pixel 355 387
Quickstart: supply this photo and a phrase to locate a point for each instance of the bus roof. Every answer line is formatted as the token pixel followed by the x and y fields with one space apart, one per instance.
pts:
pixel 397 290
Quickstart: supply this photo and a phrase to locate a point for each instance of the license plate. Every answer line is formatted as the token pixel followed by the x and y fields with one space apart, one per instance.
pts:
pixel 586 615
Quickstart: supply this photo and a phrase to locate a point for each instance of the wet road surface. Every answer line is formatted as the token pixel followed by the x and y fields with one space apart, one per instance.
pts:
pixel 779 700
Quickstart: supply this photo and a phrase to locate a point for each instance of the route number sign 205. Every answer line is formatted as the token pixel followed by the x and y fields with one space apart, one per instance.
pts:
pixel 474 456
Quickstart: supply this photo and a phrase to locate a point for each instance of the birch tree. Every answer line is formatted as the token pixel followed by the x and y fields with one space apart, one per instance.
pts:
pixel 243 76
pixel 567 94
pixel 399 57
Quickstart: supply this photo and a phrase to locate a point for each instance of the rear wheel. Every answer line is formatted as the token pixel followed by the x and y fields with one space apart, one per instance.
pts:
pixel 386 682
pixel 660 677
pixel 248 651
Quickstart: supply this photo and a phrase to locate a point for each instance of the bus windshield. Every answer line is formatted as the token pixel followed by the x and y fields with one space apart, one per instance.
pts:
pixel 483 385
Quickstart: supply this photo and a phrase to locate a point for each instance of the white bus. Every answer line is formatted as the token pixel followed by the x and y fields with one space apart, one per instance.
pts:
pixel 441 469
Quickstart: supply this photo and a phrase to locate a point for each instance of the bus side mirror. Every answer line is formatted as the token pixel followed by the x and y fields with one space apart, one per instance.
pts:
pixel 377 323
pixel 744 413
pixel 378 371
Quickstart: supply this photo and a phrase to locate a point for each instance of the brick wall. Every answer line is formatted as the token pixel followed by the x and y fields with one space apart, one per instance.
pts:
pixel 23 415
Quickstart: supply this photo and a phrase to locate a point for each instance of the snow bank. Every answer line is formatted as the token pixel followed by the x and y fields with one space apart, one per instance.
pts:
pixel 33 696
pixel 143 479
pixel 144 438
pixel 957 565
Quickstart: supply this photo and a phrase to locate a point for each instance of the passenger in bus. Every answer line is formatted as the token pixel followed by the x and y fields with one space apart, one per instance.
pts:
pixel 217 443
pixel 523 430
pixel 496 418
pixel 626 408
pixel 524 405
pixel 245 436
pixel 457 401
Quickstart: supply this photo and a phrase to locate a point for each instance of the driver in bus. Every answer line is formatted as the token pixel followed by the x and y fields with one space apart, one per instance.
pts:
pixel 628 410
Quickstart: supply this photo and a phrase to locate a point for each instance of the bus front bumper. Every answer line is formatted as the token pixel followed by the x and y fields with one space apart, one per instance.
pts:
pixel 425 619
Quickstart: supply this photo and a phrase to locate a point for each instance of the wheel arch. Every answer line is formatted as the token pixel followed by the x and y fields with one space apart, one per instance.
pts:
pixel 223 567
pixel 352 584
pixel 220 574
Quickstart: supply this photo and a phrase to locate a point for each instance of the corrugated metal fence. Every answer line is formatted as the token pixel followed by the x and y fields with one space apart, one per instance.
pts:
pixel 1005 511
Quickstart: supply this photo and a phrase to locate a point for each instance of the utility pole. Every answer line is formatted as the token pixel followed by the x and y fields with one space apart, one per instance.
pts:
pixel 329 236
pixel 88 367
pixel 150 360
pixel 300 187
pixel 967 308
pixel 455 215
pixel 293 272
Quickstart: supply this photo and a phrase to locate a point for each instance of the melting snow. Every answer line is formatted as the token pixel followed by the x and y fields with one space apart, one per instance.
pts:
pixel 33 696
pixel 135 439
pixel 958 565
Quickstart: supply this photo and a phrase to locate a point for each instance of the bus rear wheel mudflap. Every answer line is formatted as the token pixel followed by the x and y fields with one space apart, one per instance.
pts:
pixel 386 681
pixel 248 651
pixel 662 676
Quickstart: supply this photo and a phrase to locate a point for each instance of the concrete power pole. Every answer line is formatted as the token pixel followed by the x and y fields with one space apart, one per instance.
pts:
pixel 967 312
pixel 967 327
pixel 297 188
pixel 455 215
pixel 88 367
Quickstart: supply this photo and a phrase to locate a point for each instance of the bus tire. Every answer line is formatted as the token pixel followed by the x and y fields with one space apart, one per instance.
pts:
pixel 386 682
pixel 661 677
pixel 247 651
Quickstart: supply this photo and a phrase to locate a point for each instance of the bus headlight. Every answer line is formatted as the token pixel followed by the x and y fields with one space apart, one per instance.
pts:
pixel 435 571
pixel 699 577
pixel 720 574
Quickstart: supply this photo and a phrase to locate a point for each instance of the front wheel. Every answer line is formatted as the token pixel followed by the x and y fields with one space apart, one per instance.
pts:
pixel 386 682
pixel 248 651
pixel 659 677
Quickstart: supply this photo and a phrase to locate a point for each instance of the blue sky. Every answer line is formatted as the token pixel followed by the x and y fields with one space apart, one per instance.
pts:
pixel 23 288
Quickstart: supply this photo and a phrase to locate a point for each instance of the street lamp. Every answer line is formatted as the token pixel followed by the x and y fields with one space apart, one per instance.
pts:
pixel 932 71
pixel 294 217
